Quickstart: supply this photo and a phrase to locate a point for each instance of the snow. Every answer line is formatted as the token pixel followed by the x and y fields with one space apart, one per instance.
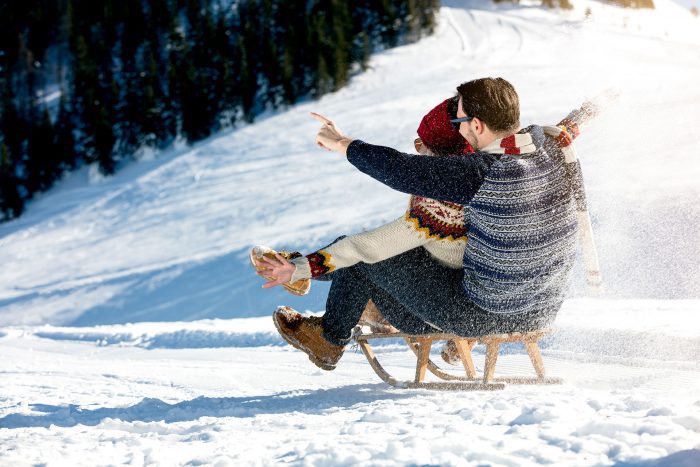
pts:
pixel 229 392
pixel 132 330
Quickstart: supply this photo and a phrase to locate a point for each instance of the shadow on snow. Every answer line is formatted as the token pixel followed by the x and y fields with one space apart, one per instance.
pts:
pixel 155 410
pixel 222 287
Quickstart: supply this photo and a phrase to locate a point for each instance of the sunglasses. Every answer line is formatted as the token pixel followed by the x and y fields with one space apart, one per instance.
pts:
pixel 461 119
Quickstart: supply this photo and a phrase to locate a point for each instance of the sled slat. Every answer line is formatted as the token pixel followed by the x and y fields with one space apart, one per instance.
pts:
pixel 535 357
pixel 464 348
pixel 433 368
pixel 424 346
pixel 491 357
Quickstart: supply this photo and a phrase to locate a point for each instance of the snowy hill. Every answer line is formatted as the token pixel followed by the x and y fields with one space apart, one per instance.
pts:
pixel 167 240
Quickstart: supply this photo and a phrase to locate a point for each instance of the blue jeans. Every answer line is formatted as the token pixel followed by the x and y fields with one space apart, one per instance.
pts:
pixel 417 295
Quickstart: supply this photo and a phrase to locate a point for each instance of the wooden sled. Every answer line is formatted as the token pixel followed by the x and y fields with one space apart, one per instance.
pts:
pixel 421 345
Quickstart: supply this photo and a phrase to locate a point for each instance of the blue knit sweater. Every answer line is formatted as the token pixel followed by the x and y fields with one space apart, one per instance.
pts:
pixel 519 211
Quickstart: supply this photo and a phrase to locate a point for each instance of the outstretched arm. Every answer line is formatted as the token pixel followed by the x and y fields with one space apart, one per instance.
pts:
pixel 373 246
pixel 454 179
pixel 369 247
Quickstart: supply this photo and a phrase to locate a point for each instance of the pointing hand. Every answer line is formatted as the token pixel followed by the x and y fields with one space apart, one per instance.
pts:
pixel 329 136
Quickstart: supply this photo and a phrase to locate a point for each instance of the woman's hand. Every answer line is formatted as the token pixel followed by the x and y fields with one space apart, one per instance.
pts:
pixel 422 148
pixel 279 269
pixel 329 136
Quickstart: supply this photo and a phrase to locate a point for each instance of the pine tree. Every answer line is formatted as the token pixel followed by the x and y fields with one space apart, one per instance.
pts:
pixel 364 48
pixel 64 142
pixel 154 131
pixel 324 81
pixel 104 141
pixel 84 95
pixel 412 20
pixel 11 203
pixel 42 164
pixel 228 83
pixel 176 58
pixel 269 32
pixel 194 117
pixel 341 35
pixel 248 67
pixel 427 14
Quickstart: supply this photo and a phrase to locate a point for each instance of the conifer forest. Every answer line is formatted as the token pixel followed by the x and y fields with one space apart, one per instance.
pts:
pixel 85 82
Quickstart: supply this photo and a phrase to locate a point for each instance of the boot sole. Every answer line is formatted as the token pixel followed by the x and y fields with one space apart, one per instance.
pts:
pixel 294 343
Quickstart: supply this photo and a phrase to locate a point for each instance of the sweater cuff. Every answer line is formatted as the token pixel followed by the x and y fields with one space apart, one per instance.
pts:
pixel 302 269
pixel 355 149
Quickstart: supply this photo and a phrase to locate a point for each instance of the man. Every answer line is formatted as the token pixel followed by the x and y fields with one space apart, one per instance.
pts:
pixel 521 229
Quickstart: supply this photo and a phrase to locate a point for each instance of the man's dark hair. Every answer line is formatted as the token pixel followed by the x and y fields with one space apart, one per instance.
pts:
pixel 493 101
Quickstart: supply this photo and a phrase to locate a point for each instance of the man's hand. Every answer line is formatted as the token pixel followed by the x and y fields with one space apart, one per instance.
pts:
pixel 329 136
pixel 280 270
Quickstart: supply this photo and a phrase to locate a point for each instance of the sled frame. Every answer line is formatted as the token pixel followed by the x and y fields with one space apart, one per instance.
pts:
pixel 422 343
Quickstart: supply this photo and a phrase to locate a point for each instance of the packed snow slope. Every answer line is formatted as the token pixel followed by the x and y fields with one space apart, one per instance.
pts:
pixel 91 373
pixel 231 393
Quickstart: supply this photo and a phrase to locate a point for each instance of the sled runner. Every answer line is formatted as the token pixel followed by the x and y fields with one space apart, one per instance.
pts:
pixel 421 345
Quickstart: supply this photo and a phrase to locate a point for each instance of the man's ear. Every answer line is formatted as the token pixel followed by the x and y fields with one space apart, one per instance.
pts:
pixel 478 125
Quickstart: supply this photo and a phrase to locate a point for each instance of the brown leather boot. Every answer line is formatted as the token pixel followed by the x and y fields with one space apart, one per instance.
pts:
pixel 304 333
pixel 450 354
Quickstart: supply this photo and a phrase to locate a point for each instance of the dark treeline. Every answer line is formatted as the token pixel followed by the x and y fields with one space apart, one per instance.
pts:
pixel 93 82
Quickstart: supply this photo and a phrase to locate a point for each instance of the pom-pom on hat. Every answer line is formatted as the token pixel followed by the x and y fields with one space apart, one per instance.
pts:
pixel 439 133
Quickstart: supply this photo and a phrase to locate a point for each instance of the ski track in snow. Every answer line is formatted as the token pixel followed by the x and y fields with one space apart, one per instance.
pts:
pixel 133 331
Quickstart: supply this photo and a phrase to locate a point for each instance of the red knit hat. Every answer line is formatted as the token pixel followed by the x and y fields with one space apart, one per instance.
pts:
pixel 439 133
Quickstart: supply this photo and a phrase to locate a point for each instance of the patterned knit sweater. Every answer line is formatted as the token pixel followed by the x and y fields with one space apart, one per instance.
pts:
pixel 438 226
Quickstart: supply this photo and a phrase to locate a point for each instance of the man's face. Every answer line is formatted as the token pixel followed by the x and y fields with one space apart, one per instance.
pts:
pixel 465 128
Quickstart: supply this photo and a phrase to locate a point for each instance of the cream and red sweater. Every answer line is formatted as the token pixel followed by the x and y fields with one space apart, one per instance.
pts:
pixel 438 226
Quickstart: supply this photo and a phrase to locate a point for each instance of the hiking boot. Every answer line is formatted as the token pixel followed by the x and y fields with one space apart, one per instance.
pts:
pixel 373 318
pixel 304 333
pixel 450 354
pixel 300 287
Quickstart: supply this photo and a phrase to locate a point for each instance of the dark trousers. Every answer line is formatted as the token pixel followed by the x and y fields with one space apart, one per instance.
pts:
pixel 417 295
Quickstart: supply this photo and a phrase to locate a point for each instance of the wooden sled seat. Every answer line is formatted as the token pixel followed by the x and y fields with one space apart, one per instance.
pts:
pixel 421 345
